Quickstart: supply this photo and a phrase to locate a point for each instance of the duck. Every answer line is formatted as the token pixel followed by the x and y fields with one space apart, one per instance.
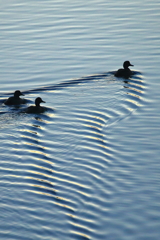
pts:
pixel 37 108
pixel 124 72
pixel 15 100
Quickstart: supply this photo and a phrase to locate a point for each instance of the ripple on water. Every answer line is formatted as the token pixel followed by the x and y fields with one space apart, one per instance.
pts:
pixel 60 159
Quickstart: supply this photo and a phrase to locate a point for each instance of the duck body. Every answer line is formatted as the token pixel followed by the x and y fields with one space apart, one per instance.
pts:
pixel 15 100
pixel 124 72
pixel 37 108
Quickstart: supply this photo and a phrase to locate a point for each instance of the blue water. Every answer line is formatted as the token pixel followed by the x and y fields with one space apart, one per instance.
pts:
pixel 87 168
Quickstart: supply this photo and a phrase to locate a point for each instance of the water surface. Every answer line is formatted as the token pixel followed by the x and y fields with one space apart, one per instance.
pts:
pixel 87 168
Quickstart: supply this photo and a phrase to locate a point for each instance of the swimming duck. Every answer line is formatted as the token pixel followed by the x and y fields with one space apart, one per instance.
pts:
pixel 124 72
pixel 15 100
pixel 37 108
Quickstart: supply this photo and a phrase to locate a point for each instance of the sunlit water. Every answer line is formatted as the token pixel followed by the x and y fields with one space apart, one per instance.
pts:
pixel 87 168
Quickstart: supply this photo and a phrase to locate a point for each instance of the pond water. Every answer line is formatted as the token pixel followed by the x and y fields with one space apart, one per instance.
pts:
pixel 88 167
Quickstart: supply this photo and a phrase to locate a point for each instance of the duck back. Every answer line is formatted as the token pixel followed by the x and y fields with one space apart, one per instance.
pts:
pixel 14 101
pixel 35 109
pixel 125 73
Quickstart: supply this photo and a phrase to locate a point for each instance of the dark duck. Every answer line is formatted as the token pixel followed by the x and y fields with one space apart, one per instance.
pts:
pixel 15 100
pixel 124 72
pixel 37 108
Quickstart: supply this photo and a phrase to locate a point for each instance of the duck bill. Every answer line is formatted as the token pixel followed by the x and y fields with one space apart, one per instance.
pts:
pixel 131 65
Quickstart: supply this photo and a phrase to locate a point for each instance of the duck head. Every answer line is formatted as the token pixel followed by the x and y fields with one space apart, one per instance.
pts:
pixel 17 93
pixel 126 64
pixel 38 101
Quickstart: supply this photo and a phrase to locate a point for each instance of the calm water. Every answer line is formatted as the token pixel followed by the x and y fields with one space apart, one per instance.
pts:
pixel 88 168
